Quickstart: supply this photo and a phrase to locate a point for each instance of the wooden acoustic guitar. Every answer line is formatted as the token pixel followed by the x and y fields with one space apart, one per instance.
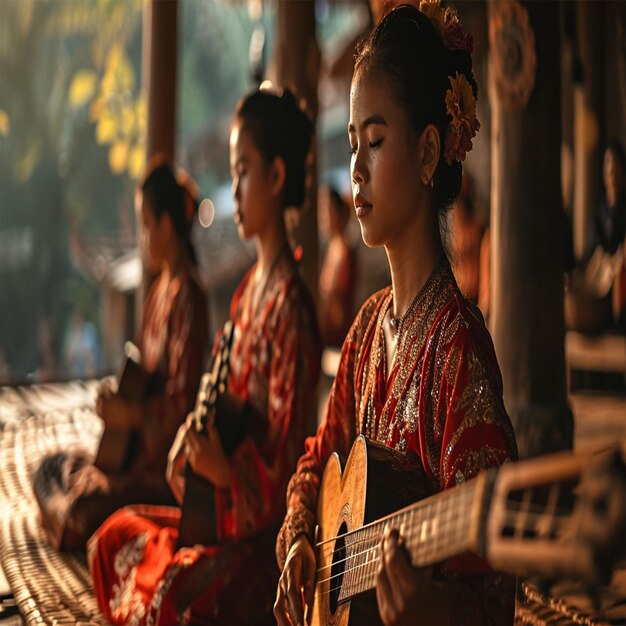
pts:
pixel 198 523
pixel 558 515
pixel 118 446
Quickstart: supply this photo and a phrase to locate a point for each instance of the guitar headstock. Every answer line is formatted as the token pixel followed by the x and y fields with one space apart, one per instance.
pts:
pixel 562 516
pixel 215 381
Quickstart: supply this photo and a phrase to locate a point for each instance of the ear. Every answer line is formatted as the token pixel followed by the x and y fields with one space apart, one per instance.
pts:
pixel 277 176
pixel 430 149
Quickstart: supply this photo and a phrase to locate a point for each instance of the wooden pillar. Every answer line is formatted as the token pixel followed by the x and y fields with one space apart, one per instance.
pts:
pixel 159 60
pixel 588 108
pixel 527 227
pixel 296 65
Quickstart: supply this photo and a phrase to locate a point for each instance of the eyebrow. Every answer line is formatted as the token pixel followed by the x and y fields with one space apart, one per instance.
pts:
pixel 372 119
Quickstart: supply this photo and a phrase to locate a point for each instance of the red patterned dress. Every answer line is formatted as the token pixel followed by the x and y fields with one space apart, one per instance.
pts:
pixel 138 574
pixel 173 341
pixel 441 401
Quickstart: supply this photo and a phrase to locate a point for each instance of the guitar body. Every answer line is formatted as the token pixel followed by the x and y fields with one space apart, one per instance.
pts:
pixel 198 523
pixel 376 481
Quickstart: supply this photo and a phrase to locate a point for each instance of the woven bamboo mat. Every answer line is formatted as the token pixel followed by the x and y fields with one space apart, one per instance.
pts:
pixel 566 604
pixel 50 588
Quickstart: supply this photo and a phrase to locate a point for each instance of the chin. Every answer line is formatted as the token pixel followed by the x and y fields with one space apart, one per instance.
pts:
pixel 244 235
pixel 370 238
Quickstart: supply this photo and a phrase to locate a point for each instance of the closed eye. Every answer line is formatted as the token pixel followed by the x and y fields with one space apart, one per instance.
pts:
pixel 375 144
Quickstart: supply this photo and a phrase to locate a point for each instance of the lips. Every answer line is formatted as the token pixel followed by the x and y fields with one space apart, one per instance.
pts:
pixel 361 205
pixel 238 216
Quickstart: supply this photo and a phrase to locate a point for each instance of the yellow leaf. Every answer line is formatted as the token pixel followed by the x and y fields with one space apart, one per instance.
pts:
pixel 96 109
pixel 118 157
pixel 136 161
pixel 82 88
pixel 25 164
pixel 141 114
pixel 5 123
pixel 128 121
pixel 125 74
pixel 106 130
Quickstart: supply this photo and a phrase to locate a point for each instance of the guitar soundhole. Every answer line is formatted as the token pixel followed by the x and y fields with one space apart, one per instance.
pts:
pixel 337 569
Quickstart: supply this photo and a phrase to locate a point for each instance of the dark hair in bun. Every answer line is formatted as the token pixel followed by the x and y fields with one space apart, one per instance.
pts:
pixel 166 196
pixel 279 128
pixel 407 47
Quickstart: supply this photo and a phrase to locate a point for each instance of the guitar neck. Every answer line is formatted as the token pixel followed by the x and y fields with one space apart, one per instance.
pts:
pixel 433 529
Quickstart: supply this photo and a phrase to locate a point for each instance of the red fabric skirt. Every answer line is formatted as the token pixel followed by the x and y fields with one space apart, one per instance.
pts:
pixel 140 578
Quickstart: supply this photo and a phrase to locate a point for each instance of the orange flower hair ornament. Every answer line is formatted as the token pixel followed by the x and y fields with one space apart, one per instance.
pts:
pixel 460 99
pixel 461 106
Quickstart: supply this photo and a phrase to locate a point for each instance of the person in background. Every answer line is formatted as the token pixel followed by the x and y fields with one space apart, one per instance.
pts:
pixel 338 273
pixel 595 297
pixel 75 497
pixel 609 223
pixel 81 348
pixel 609 232
pixel 418 370
pixel 140 574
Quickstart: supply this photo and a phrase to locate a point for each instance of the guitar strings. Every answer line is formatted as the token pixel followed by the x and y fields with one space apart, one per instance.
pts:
pixel 459 498
pixel 532 513
pixel 369 563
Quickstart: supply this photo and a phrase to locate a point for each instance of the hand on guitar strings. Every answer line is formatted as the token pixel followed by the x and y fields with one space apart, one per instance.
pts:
pixel 296 584
pixel 206 455
pixel 406 595
pixel 203 452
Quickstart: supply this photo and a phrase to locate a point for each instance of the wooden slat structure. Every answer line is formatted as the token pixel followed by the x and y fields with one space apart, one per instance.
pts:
pixel 49 587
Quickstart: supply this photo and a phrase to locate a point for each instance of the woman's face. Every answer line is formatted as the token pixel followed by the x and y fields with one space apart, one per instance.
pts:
pixel 253 201
pixel 153 236
pixel 384 167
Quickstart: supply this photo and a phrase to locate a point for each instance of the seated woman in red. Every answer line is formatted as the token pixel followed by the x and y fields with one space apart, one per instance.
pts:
pixel 75 497
pixel 418 371
pixel 139 573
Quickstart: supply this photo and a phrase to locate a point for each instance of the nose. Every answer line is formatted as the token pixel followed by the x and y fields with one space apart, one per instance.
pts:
pixel 234 188
pixel 359 170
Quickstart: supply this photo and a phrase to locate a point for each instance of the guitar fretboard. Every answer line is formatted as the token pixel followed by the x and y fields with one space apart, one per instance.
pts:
pixel 432 530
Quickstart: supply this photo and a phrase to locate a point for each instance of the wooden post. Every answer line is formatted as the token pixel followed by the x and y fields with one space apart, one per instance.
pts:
pixel 296 65
pixel 527 221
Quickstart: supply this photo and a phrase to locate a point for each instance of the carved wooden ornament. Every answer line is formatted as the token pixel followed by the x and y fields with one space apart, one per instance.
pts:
pixel 512 43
